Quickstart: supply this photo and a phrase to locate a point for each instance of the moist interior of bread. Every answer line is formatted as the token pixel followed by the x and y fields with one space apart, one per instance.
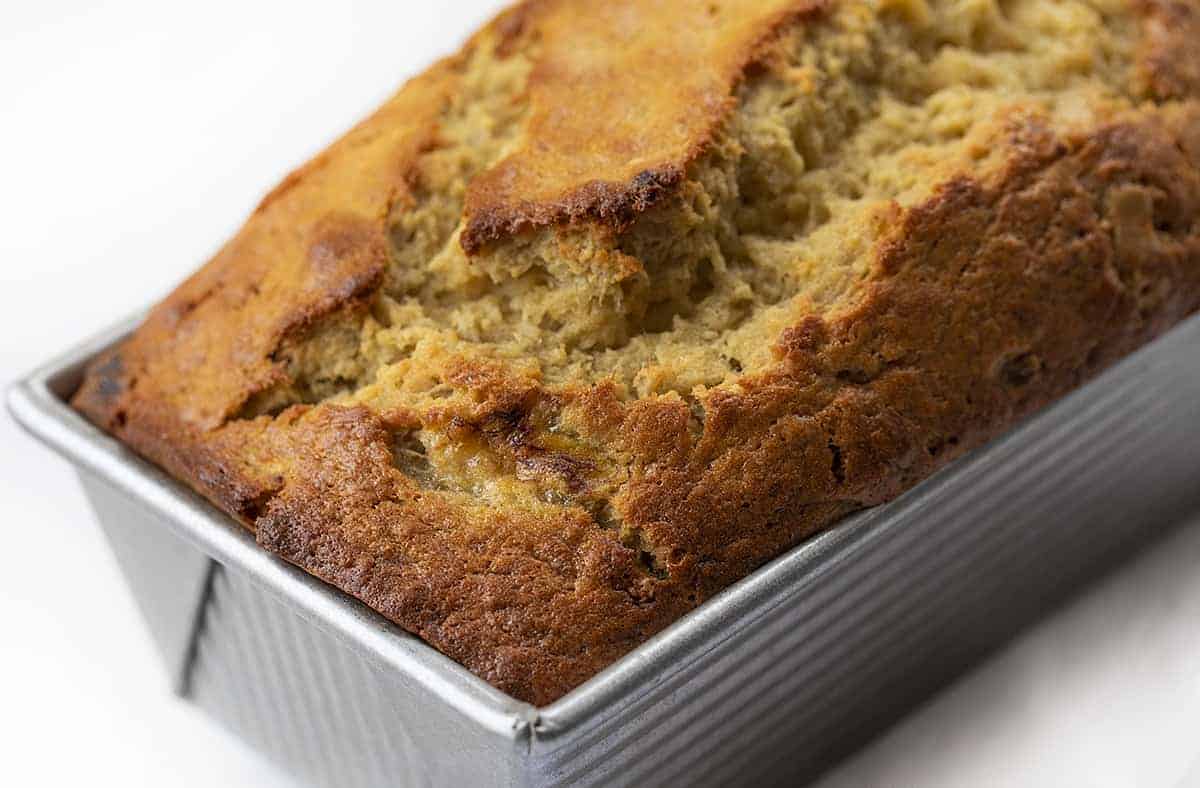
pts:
pixel 844 120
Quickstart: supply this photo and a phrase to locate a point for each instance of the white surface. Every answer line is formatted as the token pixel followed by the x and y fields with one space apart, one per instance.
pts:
pixel 134 137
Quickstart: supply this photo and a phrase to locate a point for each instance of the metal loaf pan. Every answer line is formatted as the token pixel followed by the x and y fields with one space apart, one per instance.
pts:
pixel 773 680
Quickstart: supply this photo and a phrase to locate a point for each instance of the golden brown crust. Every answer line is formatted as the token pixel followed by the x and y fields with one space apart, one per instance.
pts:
pixel 314 245
pixel 1004 289
pixel 616 155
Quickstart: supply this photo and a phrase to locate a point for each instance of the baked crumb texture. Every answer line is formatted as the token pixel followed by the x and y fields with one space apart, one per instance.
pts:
pixel 624 299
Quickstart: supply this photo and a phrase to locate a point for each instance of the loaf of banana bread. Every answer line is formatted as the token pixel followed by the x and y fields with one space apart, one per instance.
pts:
pixel 593 318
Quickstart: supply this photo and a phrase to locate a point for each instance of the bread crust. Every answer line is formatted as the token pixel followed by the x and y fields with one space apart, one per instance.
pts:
pixel 1008 286
pixel 615 162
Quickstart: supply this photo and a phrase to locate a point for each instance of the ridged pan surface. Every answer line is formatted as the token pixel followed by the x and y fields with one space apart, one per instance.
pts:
pixel 771 682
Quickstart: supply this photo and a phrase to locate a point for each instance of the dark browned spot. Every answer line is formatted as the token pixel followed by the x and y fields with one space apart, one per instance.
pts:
pixel 859 377
pixel 256 506
pixel 836 464
pixel 534 463
pixel 1020 369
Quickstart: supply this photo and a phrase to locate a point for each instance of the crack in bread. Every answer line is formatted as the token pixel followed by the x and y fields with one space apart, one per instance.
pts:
pixel 621 301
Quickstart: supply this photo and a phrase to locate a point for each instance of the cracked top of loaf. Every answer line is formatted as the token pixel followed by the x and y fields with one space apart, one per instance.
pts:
pixel 599 314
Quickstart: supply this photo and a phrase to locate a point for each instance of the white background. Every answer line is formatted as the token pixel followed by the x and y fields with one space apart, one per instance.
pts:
pixel 134 137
